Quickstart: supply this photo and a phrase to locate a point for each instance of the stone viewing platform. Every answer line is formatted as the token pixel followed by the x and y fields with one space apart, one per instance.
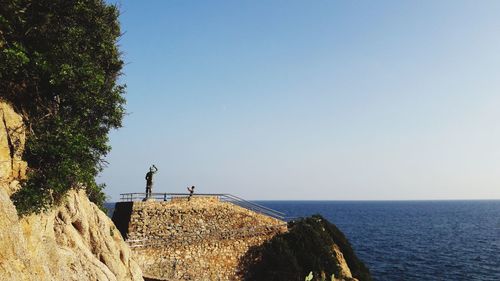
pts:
pixel 203 238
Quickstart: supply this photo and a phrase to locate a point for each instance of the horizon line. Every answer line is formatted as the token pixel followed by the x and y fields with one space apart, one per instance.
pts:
pixel 359 200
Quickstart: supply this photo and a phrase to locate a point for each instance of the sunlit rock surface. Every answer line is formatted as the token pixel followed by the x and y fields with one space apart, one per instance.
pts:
pixel 74 241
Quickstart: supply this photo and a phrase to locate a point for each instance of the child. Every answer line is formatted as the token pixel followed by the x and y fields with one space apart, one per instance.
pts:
pixel 191 191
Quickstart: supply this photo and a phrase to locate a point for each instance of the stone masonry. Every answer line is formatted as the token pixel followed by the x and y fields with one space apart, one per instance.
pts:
pixel 200 239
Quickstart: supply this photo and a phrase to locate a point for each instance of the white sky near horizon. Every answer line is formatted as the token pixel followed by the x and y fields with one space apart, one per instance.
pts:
pixel 311 100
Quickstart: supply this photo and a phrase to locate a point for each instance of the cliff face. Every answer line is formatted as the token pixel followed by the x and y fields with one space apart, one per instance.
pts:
pixel 75 241
pixel 12 139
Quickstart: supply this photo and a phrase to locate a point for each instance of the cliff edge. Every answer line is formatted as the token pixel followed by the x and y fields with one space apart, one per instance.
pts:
pixel 74 241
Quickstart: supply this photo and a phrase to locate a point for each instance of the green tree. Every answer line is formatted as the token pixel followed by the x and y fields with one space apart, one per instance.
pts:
pixel 59 65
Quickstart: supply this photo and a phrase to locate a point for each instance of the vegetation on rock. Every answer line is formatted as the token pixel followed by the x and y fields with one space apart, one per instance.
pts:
pixel 306 247
pixel 59 65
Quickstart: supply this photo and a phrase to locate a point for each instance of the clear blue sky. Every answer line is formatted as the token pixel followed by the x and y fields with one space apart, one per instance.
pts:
pixel 331 100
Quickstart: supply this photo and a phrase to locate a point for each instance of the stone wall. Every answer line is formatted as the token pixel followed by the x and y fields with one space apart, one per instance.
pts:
pixel 200 239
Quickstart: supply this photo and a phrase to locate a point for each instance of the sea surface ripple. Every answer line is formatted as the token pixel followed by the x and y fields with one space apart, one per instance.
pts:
pixel 415 240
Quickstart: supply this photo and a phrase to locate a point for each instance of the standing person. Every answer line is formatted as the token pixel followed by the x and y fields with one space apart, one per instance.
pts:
pixel 149 180
pixel 191 191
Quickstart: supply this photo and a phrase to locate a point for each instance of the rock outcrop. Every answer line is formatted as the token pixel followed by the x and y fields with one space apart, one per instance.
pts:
pixel 312 247
pixel 12 140
pixel 74 241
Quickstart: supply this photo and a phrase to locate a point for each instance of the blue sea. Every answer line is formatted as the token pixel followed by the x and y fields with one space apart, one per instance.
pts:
pixel 415 240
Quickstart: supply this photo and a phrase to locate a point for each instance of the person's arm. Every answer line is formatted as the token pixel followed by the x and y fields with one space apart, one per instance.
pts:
pixel 156 169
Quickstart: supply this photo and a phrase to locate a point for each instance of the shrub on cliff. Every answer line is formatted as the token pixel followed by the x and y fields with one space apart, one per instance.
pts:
pixel 306 247
pixel 59 65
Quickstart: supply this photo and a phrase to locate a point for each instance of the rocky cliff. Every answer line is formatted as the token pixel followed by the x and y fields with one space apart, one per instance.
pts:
pixel 312 247
pixel 75 241
pixel 12 139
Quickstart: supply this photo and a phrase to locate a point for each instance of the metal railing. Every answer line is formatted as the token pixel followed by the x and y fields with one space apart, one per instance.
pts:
pixel 224 197
pixel 253 206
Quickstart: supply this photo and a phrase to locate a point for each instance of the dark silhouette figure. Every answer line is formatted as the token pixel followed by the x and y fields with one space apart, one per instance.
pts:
pixel 191 191
pixel 149 180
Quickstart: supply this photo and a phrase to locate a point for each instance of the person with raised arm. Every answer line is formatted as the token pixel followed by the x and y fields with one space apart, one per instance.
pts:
pixel 149 180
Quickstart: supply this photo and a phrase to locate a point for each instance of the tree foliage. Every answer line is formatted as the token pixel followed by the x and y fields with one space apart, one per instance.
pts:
pixel 305 248
pixel 59 65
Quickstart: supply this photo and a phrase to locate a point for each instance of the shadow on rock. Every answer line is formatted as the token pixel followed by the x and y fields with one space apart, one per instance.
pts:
pixel 311 245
